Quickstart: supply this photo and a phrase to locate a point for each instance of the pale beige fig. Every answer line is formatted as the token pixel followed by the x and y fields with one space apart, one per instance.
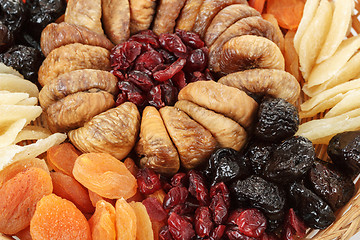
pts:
pixel 225 18
pixel 265 82
pixel 73 57
pixel 141 14
pixel 229 101
pixel 76 109
pixel 208 11
pixel 85 13
pixel 155 146
pixel 166 15
pixel 193 142
pixel 116 19
pixel 77 81
pixel 227 132
pixel 114 131
pixel 249 52
pixel 188 15
pixel 56 35
pixel 246 26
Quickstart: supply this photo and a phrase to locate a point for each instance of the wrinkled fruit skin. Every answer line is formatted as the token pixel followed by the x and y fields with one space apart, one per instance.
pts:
pixel 203 222
pixel 148 181
pixel 13 15
pixel 251 222
pixel 180 228
pixel 259 153
pixel 293 226
pixel 198 188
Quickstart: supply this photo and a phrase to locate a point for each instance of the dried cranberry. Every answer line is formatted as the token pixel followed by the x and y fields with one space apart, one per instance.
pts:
pixel 168 57
pixel 170 71
pixel 146 39
pixel 168 93
pixel 148 181
pixel 141 80
pixel 154 97
pixel 165 234
pixel 294 227
pixel 221 188
pixel 155 210
pixel 252 222
pixel 133 94
pixel 179 179
pixel 233 233
pixel 197 187
pixel 218 232
pixel 208 75
pixel 219 209
pixel 180 228
pixel 234 215
pixel 149 60
pixel 203 222
pixel 183 209
pixel 191 39
pixel 121 98
pixel 123 55
pixel 196 76
pixel 176 196
pixel 268 236
pixel 196 61
pixel 118 74
pixel 173 43
pixel 179 80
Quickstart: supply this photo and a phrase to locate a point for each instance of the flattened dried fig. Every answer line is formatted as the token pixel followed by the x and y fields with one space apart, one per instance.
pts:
pixel 73 57
pixel 225 18
pixel 85 13
pixel 116 19
pixel 56 35
pixel 208 11
pixel 227 132
pixel 193 142
pixel 166 15
pixel 249 52
pixel 141 14
pixel 265 82
pixel 114 131
pixel 229 101
pixel 155 145
pixel 188 15
pixel 76 109
pixel 246 26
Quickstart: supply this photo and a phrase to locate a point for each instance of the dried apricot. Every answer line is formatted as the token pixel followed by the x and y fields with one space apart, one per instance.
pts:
pixel 58 218
pixel 105 175
pixel 18 198
pixel 94 198
pixel 125 220
pixel 143 224
pixel 67 187
pixel 62 157
pixel 102 223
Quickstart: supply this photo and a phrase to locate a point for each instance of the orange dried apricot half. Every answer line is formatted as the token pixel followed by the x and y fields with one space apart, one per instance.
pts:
pixel 144 229
pixel 125 220
pixel 102 223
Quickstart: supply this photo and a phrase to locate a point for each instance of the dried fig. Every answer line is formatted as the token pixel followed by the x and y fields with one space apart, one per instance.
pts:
pixel 265 82
pixel 114 131
pixel 225 18
pixel 208 11
pixel 56 35
pixel 229 101
pixel 166 15
pixel 116 19
pixel 246 26
pixel 155 145
pixel 193 142
pixel 249 52
pixel 85 13
pixel 73 57
pixel 141 14
pixel 227 132
pixel 188 15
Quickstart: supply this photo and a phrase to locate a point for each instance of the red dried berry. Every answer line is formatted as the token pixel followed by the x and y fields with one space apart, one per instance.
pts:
pixel 123 55
pixel 218 232
pixel 190 39
pixel 197 76
pixel 180 228
pixel 233 216
pixel 176 196
pixel 252 223
pixel 196 61
pixel 179 179
pixel 173 43
pixel 179 80
pixel 168 93
pixel 222 189
pixel 293 226
pixel 233 233
pixel 154 97
pixel 197 187
pixel 165 234
pixel 148 60
pixel 133 94
pixel 168 57
pixel 140 80
pixel 203 222
pixel 148 181
pixel 170 71
pixel 146 39
pixel 219 209
pixel 155 209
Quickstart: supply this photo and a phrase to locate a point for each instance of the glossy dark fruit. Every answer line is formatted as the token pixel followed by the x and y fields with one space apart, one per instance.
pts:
pixel 225 165
pixel 330 184
pixel 258 153
pixel 203 222
pixel 198 187
pixel 180 228
pixel 314 211
pixel 259 193
pixel 26 60
pixel 148 181
pixel 6 37
pixel 290 160
pixel 277 120
pixel 344 151
pixel 13 14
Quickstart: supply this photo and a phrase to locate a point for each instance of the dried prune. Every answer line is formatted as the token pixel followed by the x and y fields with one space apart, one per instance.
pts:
pixel 331 185
pixel 315 212
pixel 13 15
pixel 290 160
pixel 259 154
pixel 278 120
pixel 6 37
pixel 344 151
pixel 26 60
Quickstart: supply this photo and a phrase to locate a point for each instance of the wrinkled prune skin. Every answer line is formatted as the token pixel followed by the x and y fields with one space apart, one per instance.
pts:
pixel 314 211
pixel 277 120
pixel 225 165
pixel 6 37
pixel 13 14
pixel 259 193
pixel 290 160
pixel 259 154
pixel 344 151
pixel 26 60
pixel 330 184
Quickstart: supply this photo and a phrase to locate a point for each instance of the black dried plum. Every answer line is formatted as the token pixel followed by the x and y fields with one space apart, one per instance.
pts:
pixel 6 37
pixel 259 154
pixel 26 60
pixel 13 14
pixel 225 165
pixel 331 185
pixel 277 120
pixel 314 211
pixel 344 151
pixel 290 160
